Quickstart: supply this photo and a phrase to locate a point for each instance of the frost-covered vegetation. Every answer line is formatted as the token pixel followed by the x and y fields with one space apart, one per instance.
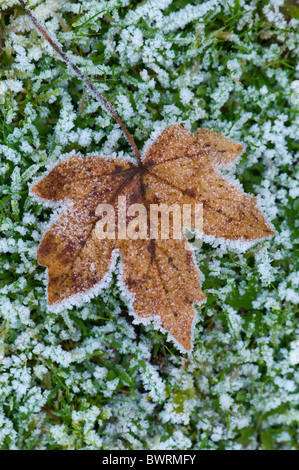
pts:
pixel 88 378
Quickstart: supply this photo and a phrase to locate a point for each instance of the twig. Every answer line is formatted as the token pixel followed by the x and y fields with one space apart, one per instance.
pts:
pixel 81 75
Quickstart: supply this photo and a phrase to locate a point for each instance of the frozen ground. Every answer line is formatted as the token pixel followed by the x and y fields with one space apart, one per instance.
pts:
pixel 88 377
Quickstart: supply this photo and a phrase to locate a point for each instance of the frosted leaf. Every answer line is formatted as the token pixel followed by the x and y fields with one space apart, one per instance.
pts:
pixel 159 275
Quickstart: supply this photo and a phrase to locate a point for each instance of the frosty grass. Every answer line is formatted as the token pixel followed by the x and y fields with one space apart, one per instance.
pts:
pixel 88 377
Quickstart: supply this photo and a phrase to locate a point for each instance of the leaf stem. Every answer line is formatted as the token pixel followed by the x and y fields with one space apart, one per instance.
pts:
pixel 81 75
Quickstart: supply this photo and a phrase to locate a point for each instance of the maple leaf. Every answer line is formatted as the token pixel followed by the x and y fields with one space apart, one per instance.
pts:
pixel 160 275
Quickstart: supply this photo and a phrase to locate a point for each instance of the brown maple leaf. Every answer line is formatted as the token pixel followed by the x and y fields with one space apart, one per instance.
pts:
pixel 161 275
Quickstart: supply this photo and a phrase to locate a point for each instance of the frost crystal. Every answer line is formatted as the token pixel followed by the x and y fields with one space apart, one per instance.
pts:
pixel 88 377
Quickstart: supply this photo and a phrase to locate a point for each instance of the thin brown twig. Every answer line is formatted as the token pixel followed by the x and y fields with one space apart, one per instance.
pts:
pixel 81 75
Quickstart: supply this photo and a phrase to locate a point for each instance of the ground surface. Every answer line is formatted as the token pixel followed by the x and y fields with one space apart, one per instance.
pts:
pixel 88 377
